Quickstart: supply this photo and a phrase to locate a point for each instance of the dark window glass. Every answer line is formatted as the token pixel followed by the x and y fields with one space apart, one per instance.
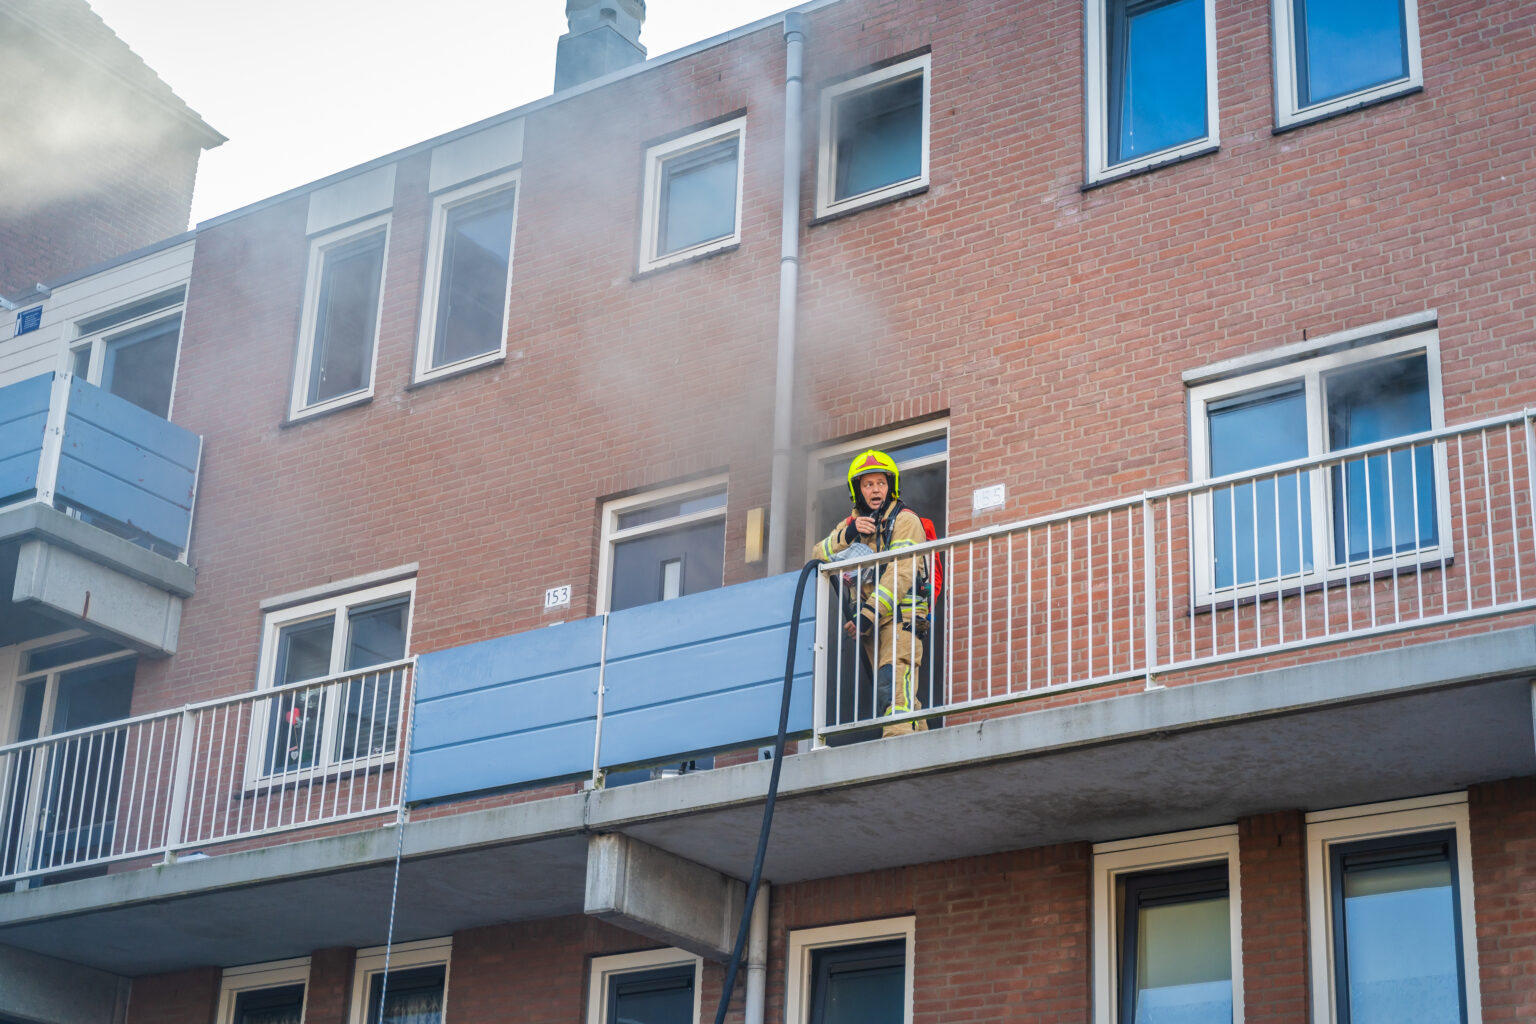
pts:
pixel 414 997
pixel 862 984
pixel 1397 931
pixel 375 636
pixel 1157 76
pixel 663 996
pixel 1344 46
pixel 1262 529
pixel 281 1005
pixel 879 137
pixel 1176 948
pixel 54 655
pixel 472 294
pixel 346 315
pixel 698 197
pixel 689 559
pixel 297 717
pixel 139 365
pixel 670 509
pixel 1385 503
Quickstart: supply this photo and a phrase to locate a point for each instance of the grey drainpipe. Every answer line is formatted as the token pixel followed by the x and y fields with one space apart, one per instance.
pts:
pixel 789 295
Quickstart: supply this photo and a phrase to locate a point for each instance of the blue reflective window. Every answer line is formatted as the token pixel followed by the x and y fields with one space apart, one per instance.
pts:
pixel 1385 503
pixel 879 137
pixel 1261 529
pixel 1157 76
pixel 1344 46
pixel 1397 931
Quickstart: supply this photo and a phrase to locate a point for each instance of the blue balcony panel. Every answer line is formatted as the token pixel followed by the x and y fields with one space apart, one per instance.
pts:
pixel 128 464
pixel 506 712
pixel 700 673
pixel 23 415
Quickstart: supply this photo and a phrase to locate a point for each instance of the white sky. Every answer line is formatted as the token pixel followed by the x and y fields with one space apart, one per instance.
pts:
pixel 305 88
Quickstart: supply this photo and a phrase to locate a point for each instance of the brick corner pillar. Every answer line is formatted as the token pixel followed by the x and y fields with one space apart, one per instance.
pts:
pixel 1273 855
pixel 1501 817
pixel 180 997
pixel 330 985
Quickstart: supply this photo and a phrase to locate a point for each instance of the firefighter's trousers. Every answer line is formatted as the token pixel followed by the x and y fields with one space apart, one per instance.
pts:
pixel 900 656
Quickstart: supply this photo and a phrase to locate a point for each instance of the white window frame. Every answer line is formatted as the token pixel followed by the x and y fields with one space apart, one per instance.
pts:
pixel 336 606
pixel 402 956
pixel 611 535
pixel 1113 861
pixel 442 205
pixel 319 247
pixel 1375 821
pixel 1289 112
pixel 606 968
pixel 1327 357
pixel 95 343
pixel 883 441
pixel 1099 167
pixel 656 159
pixel 800 976
pixel 831 97
pixel 252 977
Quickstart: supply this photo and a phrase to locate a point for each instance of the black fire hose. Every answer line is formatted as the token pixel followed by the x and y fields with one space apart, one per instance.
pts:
pixel 773 793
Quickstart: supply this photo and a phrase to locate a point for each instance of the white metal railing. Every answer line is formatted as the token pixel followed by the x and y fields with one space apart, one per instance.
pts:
pixel 1425 529
pixel 307 753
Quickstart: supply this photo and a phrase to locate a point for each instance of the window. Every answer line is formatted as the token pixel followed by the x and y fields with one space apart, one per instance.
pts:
pixel 1392 930
pixel 1300 525
pixel 1333 55
pixel 1151 83
pixel 692 195
pixel 313 728
pixel 874 137
pixel 341 318
pixel 663 544
pixel 131 351
pixel 851 974
pixel 659 986
pixel 1166 929
pixel 922 455
pixel 270 993
pixel 469 274
pixel 417 989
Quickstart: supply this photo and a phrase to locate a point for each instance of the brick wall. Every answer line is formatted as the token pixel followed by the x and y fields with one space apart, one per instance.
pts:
pixel 92 171
pixel 1272 850
pixel 1503 825
pixel 182 997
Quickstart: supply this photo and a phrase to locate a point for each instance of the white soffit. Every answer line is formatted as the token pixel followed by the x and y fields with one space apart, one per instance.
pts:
pixel 353 199
pixel 477 155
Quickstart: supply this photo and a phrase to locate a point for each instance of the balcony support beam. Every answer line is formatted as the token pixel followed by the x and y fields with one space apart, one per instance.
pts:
pixel 85 593
pixel 663 896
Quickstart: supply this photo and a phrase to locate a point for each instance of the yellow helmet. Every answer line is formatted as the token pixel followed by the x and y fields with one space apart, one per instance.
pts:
pixel 873 461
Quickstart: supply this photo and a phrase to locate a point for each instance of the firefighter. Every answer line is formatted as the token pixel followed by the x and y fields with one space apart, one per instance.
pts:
pixel 892 602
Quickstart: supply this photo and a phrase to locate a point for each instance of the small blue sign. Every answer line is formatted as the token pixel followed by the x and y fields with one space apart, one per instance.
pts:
pixel 29 320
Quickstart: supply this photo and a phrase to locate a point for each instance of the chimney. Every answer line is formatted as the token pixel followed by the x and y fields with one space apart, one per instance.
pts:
pixel 604 36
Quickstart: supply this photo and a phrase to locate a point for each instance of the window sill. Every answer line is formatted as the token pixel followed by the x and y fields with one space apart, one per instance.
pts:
pixel 458 369
pixel 860 206
pixel 1115 174
pixel 1304 118
pixel 684 261
pixel 320 412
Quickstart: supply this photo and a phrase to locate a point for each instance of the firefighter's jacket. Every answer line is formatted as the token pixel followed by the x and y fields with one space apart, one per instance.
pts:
pixel 903 582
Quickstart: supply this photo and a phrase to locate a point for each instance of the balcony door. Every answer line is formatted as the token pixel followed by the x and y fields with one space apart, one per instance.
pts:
pixel 60 800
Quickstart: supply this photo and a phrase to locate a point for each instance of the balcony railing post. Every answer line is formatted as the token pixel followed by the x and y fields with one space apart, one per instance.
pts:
pixel 602 689
pixel 53 439
pixel 819 646
pixel 1149 591
pixel 176 815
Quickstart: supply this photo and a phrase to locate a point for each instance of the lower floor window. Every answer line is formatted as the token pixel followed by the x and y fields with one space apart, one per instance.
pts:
pixel 1392 918
pixel 282 1005
pixel 412 997
pixel 1396 939
pixel 270 993
pixel 657 986
pixel 857 973
pixel 1176 958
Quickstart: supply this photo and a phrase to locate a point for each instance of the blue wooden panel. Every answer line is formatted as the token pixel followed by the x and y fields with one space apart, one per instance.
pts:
pixel 704 672
pixel 506 712
pixel 18 473
pixel 539 652
pixel 23 415
pixel 131 463
pixel 511 760
pixel 83 484
pixel 121 417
